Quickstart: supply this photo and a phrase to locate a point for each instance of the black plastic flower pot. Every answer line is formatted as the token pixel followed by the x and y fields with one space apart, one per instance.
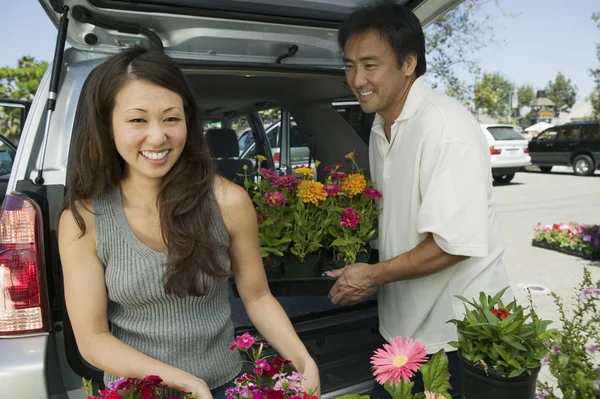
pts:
pixel 274 267
pixel 476 383
pixel 309 268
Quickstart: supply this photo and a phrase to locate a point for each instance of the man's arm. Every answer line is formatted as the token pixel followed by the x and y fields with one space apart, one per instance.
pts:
pixel 425 259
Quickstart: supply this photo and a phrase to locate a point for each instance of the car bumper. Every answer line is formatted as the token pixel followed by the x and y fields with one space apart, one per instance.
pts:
pixel 22 366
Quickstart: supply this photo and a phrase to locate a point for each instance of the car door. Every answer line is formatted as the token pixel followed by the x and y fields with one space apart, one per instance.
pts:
pixel 301 32
pixel 590 140
pixel 566 142
pixel 542 147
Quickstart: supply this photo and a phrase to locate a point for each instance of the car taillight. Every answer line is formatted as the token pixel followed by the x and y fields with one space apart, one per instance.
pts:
pixel 276 157
pixel 495 151
pixel 526 150
pixel 23 304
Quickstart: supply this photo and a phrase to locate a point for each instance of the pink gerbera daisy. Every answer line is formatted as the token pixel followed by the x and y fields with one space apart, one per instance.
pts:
pixel 397 360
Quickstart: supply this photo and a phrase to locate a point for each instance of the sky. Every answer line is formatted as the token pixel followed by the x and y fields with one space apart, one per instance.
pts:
pixel 538 39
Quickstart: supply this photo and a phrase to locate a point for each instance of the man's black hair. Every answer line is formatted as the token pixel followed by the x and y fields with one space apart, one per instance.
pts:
pixel 395 23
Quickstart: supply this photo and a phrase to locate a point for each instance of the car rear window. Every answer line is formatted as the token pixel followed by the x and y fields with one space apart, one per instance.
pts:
pixel 505 133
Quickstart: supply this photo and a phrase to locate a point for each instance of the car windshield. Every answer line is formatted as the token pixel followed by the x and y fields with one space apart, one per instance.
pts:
pixel 505 133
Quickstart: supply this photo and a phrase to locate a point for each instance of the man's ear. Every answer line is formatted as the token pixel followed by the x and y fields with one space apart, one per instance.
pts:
pixel 410 64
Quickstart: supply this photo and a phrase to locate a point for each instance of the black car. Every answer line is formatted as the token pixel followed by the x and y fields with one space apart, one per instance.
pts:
pixel 573 144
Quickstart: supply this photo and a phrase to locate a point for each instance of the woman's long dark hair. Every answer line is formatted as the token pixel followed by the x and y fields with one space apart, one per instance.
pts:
pixel 185 194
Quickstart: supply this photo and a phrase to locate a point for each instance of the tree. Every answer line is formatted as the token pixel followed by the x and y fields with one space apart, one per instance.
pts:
pixel 451 44
pixel 595 96
pixel 561 91
pixel 526 95
pixel 492 94
pixel 20 83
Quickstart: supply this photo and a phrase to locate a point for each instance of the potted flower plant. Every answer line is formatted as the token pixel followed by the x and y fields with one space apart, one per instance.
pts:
pixel 310 223
pixel 353 210
pixel 397 362
pixel 500 348
pixel 151 387
pixel 573 359
pixel 270 377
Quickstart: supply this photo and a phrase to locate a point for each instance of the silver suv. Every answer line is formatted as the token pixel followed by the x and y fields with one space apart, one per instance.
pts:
pixel 240 57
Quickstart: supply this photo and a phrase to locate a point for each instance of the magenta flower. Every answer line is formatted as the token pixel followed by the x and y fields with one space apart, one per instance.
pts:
pixel 372 193
pixel 332 189
pixel 274 199
pixel 243 341
pixel 591 293
pixel 261 365
pixel 556 349
pixel 333 167
pixel 398 360
pixel 349 218
pixel 339 175
pixel 592 348
pixel 284 181
pixel 267 173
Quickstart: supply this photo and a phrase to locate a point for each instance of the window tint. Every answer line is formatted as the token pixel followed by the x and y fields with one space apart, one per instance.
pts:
pixel 7 157
pixel 356 118
pixel 296 137
pixel 505 133
pixel 568 133
pixel 591 132
pixel 547 135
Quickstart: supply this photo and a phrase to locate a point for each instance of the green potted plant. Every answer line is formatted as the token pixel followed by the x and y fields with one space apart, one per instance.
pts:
pixel 310 223
pixel 500 348
pixel 573 359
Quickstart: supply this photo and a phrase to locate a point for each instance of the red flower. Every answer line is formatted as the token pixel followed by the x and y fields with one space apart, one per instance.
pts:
pixel 501 313
pixel 274 394
pixel 307 396
pixel 107 394
pixel 148 392
pixel 372 193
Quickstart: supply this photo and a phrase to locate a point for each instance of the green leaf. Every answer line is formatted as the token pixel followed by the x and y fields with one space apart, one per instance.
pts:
pixel 510 339
pixel 401 390
pixel 436 378
pixel 516 373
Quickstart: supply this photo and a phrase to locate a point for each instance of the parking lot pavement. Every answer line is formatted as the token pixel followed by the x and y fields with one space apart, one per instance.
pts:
pixel 556 197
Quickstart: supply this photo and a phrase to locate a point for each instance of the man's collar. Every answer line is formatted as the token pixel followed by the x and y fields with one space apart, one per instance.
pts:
pixel 411 105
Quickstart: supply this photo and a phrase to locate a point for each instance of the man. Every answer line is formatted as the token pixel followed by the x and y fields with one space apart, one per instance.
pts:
pixel 438 232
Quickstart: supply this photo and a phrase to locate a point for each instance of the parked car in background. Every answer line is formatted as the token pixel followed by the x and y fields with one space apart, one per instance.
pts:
pixel 508 149
pixel 8 149
pixel 573 144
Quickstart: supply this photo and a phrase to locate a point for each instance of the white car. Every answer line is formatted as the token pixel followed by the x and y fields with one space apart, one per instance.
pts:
pixel 508 149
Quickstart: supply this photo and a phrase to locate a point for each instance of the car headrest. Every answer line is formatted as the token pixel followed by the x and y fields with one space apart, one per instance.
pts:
pixel 223 143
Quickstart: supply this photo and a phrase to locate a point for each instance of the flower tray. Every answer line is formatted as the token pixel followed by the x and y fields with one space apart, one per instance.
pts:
pixel 594 256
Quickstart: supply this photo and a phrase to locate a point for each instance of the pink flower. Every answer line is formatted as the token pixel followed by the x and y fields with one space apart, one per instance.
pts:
pixel 333 167
pixel 332 189
pixel 275 199
pixel 372 193
pixel 431 395
pixel 244 341
pixel 261 365
pixel 284 181
pixel 267 173
pixel 349 218
pixel 339 175
pixel 398 360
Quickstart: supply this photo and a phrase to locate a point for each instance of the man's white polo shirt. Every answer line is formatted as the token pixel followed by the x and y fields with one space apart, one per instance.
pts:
pixel 435 177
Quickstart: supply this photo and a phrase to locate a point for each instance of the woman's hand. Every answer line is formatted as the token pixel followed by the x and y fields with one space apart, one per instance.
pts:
pixel 312 382
pixel 199 388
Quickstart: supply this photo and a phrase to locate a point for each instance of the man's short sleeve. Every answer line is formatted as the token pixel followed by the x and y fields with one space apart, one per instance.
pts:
pixel 454 199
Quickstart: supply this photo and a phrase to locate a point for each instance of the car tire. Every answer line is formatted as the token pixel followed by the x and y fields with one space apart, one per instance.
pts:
pixel 545 169
pixel 583 165
pixel 504 179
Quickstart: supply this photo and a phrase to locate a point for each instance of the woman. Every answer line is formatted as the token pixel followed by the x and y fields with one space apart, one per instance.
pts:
pixel 149 235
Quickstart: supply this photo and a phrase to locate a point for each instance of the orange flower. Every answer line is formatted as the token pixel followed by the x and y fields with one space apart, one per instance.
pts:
pixel 354 184
pixel 312 191
pixel 305 171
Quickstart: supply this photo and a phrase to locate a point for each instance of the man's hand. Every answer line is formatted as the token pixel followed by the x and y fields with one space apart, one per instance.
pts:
pixel 355 283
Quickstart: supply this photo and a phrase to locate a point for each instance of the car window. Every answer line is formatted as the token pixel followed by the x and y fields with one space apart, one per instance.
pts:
pixel 296 137
pixel 568 133
pixel 354 116
pixel 547 135
pixel 7 157
pixel 591 132
pixel 505 133
pixel 245 140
